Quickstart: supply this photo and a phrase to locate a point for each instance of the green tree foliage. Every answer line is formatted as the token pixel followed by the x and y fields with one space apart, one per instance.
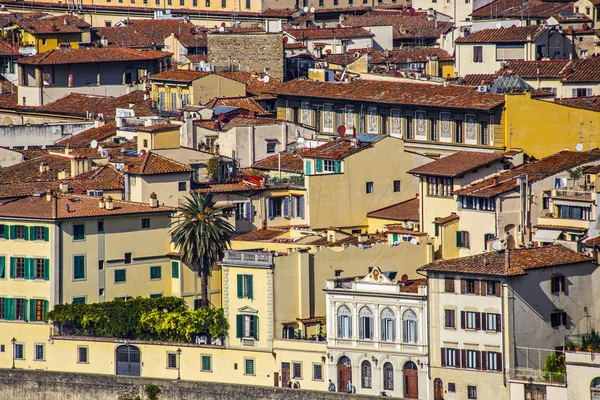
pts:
pixel 152 391
pixel 202 234
pixel 163 318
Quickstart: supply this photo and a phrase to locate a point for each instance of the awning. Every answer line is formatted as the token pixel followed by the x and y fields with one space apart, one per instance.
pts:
pixel 544 235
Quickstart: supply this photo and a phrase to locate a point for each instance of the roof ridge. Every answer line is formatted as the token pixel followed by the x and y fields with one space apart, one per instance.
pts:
pixel 394 205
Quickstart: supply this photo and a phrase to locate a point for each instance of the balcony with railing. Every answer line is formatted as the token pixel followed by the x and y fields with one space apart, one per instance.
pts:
pixel 248 258
pixel 573 194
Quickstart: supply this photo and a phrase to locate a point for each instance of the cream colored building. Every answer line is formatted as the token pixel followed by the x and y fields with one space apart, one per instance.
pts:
pixel 377 335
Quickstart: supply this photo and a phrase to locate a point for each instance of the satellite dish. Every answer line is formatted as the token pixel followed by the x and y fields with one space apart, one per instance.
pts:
pixel 142 153
pixel 221 29
pixel 579 147
pixel 223 24
pixel 312 9
pixel 341 130
pixel 305 9
pixel 498 25
pixel 404 278
pixel 414 241
pixel 94 144
pixel 496 245
pixel 266 79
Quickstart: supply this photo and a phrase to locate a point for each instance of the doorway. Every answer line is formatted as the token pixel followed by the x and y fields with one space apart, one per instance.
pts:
pixel 438 389
pixel 285 374
pixel 344 374
pixel 128 360
pixel 411 381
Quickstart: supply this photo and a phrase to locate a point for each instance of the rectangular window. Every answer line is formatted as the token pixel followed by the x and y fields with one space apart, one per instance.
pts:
pixel 472 320
pixel 244 286
pixel 223 3
pixel 462 239
pixel 78 300
pixel 450 319
pixel 19 268
pixel 172 360
pixel 397 186
pixel 297 370
pixel 174 270
pixel 100 226
pixel 40 310
pixel 20 309
pixel 247 326
pixel 155 295
pixel 79 232
pixel 39 233
pixel 477 54
pixel 449 285
pixel 433 126
pixel 492 361
pixel 472 392
pixel 317 372
pixel 127 258
pixel 469 286
pixel 491 288
pixel 82 354
pixel 206 363
pixel 329 165
pixel 558 318
pixel 19 351
pixel 247 4
pixel 491 322
pixel 182 186
pixel 145 223
pixel 477 203
pixel 558 284
pixel 450 357
pixel 271 147
pixel 38 352
pixel 248 366
pixel 120 275
pixel 4 232
pixel 484 140
pixel 472 359
pixel 20 232
pixel 369 187
pixel 510 52
pixel 79 267
pixel 156 272
pixel 39 268
pixel 438 186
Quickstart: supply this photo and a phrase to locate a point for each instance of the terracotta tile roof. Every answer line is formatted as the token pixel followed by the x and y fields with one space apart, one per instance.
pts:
pixel 79 207
pixel 53 25
pixel 154 164
pixel 105 177
pixel 407 210
pixel 158 128
pixel 571 18
pixel 561 228
pixel 259 234
pixel 196 58
pixel 7 49
pixel 591 103
pixel 329 33
pixel 28 171
pixel 403 55
pixel 255 86
pixel 92 55
pixel 457 164
pixel 246 103
pixel 311 320
pixel 583 70
pixel 593 242
pixel 21 189
pixel 194 38
pixel 341 147
pixel 405 26
pixel 179 75
pixel 384 92
pixel 478 79
pixel 403 231
pixel 289 162
pixel 238 121
pixel 294 46
pixel 352 240
pixel 535 69
pixel 228 187
pixel 503 35
pixel 83 139
pixel 533 9
pixel 507 180
pixel 30 154
pixel 520 261
pixel 144 33
pixel 444 220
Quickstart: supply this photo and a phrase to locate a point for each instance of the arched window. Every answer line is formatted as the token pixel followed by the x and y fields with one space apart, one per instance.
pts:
pixel 288 332
pixel 409 327
pixel 365 374
pixel 365 323
pixel 388 376
pixel 344 320
pixel 595 389
pixel 388 325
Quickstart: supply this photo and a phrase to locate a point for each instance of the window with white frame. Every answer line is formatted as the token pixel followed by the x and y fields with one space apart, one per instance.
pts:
pixel 450 356
pixel 396 122
pixel 329 165
pixel 372 120
pixel 492 360
pixel 365 323
pixel 305 113
pixel 409 327
pixel 344 321
pixel 471 359
pixel 471 320
pixel 492 322
pixel 39 352
pixel 388 322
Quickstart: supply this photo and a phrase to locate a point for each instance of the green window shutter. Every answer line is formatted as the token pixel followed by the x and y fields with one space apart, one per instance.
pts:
pixel 46 234
pixel 46 304
pixel 9 310
pixel 205 363
pixel 175 270
pixel 79 267
pixel 46 269
pixel 239 325
pixel 458 239
pixel 395 237
pixel 32 268
pixel 250 287
pixel 2 267
pixel 26 233
pixel 32 310
pixel 255 326
pixel 319 165
pixel 13 232
pixel 13 265
pixel 31 232
pixel 308 167
pixel 26 268
pixel 337 167
pixel 240 286
pixel 436 229
pixel 25 301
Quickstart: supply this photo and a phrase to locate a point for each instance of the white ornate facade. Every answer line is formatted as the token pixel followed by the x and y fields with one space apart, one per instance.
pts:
pixel 377 335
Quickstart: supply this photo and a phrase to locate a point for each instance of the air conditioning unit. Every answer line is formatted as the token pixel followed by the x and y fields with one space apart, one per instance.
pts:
pixel 482 88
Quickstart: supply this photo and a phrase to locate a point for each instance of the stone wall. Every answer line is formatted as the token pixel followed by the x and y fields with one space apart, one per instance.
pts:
pixel 45 385
pixel 247 52
pixel 39 134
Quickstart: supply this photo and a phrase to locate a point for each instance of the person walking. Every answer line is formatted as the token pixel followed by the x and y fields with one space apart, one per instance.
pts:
pixel 331 386
pixel 350 387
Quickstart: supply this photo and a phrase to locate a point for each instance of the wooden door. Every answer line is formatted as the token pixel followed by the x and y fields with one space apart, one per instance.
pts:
pixel 344 374
pixel 411 384
pixel 276 379
pixel 438 389
pixel 285 374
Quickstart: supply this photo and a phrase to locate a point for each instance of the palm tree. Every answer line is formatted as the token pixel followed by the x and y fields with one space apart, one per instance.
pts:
pixel 202 234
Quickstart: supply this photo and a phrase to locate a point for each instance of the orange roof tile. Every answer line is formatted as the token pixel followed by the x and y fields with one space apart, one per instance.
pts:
pixel 83 139
pixel 457 164
pixel 228 187
pixel 591 103
pixel 329 33
pixel 289 162
pixel 53 25
pixel 561 228
pixel 512 34
pixel 237 121
pixel 404 55
pixel 28 171
pixel 405 26
pixel 246 103
pixel 533 9
pixel 407 210
pixel 142 33
pixel 158 127
pixel 179 75
pixel 92 55
pixel 341 147
pixel 154 164
pixel 520 261
pixel 260 234
pixel 444 220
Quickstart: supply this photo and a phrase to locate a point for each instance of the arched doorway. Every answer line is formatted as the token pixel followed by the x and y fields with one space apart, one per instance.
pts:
pixel 438 389
pixel 411 380
pixel 344 373
pixel 595 389
pixel 128 360
pixel 388 376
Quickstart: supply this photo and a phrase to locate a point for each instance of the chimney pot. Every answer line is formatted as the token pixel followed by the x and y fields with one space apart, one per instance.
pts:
pixel 64 187
pixel 153 201
pixel 101 202
pixel 109 203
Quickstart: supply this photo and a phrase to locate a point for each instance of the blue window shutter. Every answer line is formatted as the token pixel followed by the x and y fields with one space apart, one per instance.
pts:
pixel 46 269
pixel 248 210
pixel 249 285
pixel 46 234
pixel 337 165
pixel 13 265
pixel 308 167
pixel 240 286
pixel 270 208
pixel 319 165
pixel 286 207
pixel 301 200
pixel 239 326
pixel 2 267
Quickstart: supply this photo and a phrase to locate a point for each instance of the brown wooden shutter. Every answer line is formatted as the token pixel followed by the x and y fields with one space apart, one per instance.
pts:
pixel 443 357
pixel 463 286
pixel 497 289
pixel 499 324
pixel 483 288
pixel 484 360
pixel 478 359
pixel 458 360
pixel 462 320
pixel 477 321
pixel 499 361
pixel 476 287
pixel 463 358
pixel 483 321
